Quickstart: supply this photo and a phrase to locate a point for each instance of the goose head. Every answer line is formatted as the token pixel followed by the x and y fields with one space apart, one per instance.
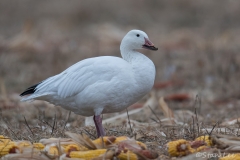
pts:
pixel 137 39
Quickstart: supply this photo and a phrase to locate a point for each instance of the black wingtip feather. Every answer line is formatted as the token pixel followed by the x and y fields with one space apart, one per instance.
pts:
pixel 30 90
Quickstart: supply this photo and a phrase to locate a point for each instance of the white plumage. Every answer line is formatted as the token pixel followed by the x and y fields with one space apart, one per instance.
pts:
pixel 101 84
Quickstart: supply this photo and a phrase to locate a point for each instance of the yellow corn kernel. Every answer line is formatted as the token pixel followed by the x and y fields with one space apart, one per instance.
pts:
pixel 142 145
pixel 104 140
pixel 87 155
pixel 127 156
pixel 231 157
pixel 71 147
pixel 4 140
pixel 8 148
pixel 179 147
pixel 80 147
pixel 52 150
pixel 65 145
pixel 38 146
pixel 206 139
pixel 121 138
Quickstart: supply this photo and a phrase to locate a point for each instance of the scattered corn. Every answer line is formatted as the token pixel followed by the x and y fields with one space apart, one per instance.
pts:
pixel 206 139
pixel 104 141
pixel 8 148
pixel 179 147
pixel 142 145
pixel 52 150
pixel 76 146
pixel 127 156
pixel 4 140
pixel 199 149
pixel 114 140
pixel 38 146
pixel 121 138
pixel 87 155
pixel 71 147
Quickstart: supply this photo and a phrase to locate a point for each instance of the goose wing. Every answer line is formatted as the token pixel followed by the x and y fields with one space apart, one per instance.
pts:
pixel 79 76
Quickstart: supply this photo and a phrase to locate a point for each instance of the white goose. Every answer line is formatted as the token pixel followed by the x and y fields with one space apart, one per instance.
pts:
pixel 103 84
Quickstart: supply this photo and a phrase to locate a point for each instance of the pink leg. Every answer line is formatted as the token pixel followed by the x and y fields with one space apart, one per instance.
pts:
pixel 98 123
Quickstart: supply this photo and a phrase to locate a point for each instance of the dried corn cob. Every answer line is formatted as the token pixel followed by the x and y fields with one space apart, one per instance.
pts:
pixel 104 141
pixel 38 146
pixel 72 147
pixel 179 147
pixel 4 140
pixel 87 155
pixel 8 148
pixel 127 156
pixel 142 145
pixel 122 138
pixel 78 146
pixel 53 150
pixel 206 139
pixel 199 149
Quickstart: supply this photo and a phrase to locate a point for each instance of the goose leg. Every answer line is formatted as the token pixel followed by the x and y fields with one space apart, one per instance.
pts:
pixel 98 123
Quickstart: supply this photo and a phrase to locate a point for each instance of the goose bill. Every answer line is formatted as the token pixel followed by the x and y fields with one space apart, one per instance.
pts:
pixel 149 45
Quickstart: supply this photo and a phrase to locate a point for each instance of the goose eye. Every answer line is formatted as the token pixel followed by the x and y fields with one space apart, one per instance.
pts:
pixel 137 35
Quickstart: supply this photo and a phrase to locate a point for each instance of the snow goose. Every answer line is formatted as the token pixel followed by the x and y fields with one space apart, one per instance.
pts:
pixel 103 84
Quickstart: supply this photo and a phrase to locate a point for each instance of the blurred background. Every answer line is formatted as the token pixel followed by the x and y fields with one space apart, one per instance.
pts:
pixel 198 45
